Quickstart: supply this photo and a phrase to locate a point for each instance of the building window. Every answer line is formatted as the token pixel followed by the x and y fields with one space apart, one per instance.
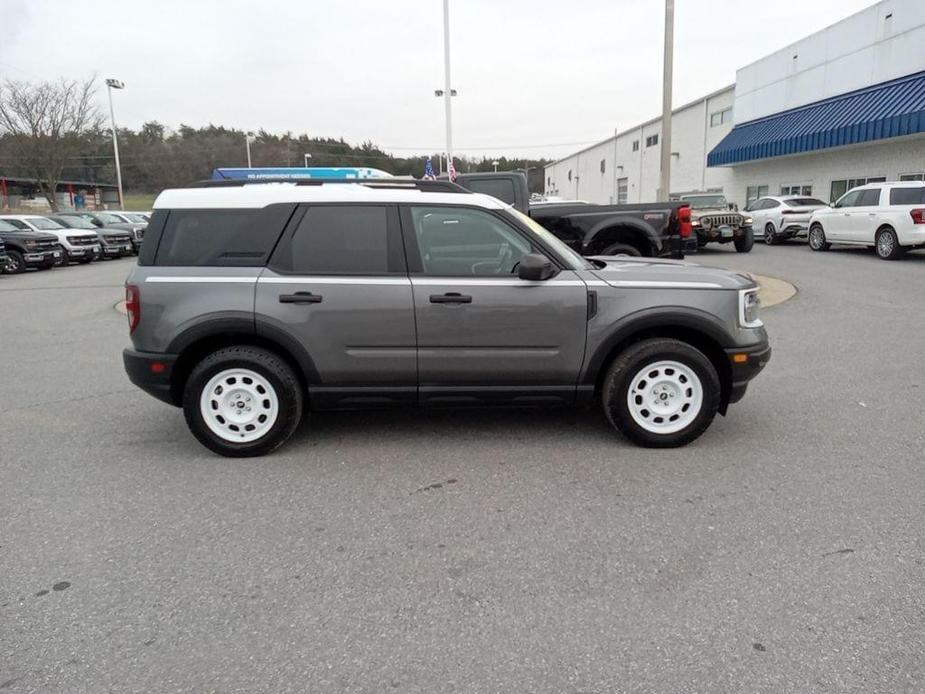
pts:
pixel 912 177
pixel 652 140
pixel 622 190
pixel 752 193
pixel 635 145
pixel 603 165
pixel 842 186
pixel 721 117
pixel 796 190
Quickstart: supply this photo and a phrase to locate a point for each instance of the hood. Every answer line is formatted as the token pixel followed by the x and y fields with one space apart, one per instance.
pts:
pixel 659 273
pixel 31 235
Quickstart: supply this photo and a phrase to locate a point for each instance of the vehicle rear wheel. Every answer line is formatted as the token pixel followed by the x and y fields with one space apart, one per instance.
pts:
pixel 745 243
pixel 770 237
pixel 817 240
pixel 621 249
pixel 242 401
pixel 661 393
pixel 15 264
pixel 887 245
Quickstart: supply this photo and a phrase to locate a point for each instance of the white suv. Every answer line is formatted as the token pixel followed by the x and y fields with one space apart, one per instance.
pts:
pixel 77 245
pixel 888 216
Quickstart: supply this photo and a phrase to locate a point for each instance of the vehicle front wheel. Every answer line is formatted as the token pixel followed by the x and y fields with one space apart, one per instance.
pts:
pixel 661 393
pixel 621 249
pixel 745 243
pixel 770 237
pixel 242 401
pixel 887 245
pixel 15 264
pixel 64 260
pixel 817 240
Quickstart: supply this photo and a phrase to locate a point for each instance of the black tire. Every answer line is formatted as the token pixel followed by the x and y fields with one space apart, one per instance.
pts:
pixel 770 238
pixel 621 249
pixel 267 364
pixel 627 365
pixel 816 239
pixel 15 265
pixel 744 244
pixel 65 259
pixel 887 245
pixel 84 261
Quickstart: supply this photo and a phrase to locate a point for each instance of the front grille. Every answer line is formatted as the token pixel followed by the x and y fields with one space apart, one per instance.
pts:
pixel 82 240
pixel 47 245
pixel 718 220
pixel 118 238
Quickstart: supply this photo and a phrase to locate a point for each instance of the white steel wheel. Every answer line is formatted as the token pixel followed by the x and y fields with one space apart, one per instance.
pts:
pixel 664 397
pixel 239 405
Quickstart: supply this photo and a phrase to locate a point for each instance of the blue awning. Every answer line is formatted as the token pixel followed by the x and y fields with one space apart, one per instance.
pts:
pixel 890 109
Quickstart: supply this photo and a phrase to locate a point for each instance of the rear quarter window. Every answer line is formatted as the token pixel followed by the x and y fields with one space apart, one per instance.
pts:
pixel 219 237
pixel 907 196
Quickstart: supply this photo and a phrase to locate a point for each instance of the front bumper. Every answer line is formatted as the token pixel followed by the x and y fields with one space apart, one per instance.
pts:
pixel 83 252
pixel 717 235
pixel 151 372
pixel 745 368
pixel 117 250
pixel 41 258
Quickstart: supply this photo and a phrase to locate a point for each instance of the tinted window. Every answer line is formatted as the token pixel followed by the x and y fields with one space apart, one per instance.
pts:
pixel 213 237
pixel 501 188
pixel 459 241
pixel 770 204
pixel 805 202
pixel 342 240
pixel 907 196
pixel 869 198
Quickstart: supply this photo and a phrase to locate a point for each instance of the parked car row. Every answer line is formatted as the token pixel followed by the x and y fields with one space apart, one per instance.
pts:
pixel 41 242
pixel 888 217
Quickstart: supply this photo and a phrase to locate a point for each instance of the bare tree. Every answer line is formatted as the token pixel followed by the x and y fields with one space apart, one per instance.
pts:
pixel 46 124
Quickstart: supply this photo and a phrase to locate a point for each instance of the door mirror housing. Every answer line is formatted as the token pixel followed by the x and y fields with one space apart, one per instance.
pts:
pixel 536 267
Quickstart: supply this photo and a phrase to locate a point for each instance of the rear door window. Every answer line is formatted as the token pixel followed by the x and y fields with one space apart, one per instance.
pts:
pixel 907 196
pixel 343 240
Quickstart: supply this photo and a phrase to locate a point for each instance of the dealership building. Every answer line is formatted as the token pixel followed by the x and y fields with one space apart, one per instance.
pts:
pixel 840 108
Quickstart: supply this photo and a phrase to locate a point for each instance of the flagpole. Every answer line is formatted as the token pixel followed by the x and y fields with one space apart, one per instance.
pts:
pixel 447 91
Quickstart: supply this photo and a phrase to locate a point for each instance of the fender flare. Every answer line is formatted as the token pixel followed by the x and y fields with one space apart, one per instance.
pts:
pixel 646 229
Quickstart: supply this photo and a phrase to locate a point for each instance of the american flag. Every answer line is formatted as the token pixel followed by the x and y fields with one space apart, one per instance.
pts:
pixel 429 174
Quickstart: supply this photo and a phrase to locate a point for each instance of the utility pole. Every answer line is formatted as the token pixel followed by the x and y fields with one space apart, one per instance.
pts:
pixel 664 189
pixel 110 85
pixel 447 91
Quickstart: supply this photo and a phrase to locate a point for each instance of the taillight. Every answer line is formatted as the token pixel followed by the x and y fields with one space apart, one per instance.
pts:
pixel 132 307
pixel 918 216
pixel 684 218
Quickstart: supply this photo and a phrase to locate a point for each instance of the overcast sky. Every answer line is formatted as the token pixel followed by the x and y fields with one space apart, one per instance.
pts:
pixel 535 77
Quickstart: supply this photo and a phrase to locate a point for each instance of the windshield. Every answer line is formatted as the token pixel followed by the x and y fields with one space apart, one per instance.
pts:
pixel 575 261
pixel 703 201
pixel 106 218
pixel 76 222
pixel 45 224
pixel 135 217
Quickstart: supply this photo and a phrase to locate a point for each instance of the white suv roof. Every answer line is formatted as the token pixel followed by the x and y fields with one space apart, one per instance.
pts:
pixel 253 195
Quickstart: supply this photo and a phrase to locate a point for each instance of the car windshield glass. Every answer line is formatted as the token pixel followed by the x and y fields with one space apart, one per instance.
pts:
pixel 133 217
pixel 76 222
pixel 45 224
pixel 108 218
pixel 575 261
pixel 703 201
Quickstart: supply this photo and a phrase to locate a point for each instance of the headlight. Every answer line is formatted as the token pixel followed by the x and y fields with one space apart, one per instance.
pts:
pixel 749 303
pixel 31 245
pixel 748 221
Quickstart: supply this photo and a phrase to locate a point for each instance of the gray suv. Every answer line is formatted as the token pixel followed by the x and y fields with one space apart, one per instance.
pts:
pixel 254 302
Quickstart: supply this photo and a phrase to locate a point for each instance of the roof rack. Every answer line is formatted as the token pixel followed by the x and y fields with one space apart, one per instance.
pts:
pixel 378 183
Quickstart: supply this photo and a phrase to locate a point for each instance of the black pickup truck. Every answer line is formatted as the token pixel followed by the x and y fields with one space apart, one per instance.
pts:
pixel 25 249
pixel 658 229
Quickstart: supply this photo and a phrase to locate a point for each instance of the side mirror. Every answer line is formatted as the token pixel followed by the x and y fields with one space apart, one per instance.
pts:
pixel 535 267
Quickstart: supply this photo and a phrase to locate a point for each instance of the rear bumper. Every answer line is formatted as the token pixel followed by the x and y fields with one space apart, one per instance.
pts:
pixel 151 372
pixel 756 358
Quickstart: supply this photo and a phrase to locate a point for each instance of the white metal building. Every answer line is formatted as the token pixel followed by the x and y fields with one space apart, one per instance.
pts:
pixel 839 108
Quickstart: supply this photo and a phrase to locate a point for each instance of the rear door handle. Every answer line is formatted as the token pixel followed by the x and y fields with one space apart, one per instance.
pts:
pixel 300 298
pixel 450 298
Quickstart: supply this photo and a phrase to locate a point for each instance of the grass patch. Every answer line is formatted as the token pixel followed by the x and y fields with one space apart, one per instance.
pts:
pixel 140 202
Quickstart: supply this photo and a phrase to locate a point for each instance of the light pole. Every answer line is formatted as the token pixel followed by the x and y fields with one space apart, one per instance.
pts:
pixel 306 156
pixel 447 90
pixel 664 191
pixel 495 164
pixel 110 85
pixel 248 138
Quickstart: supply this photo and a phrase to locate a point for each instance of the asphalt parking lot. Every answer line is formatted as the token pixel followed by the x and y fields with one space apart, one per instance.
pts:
pixel 472 551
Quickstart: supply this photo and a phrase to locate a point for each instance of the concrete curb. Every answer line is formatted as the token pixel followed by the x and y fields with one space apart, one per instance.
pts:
pixel 773 291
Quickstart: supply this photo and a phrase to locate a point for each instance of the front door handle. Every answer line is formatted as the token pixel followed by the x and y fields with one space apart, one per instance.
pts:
pixel 300 298
pixel 450 298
